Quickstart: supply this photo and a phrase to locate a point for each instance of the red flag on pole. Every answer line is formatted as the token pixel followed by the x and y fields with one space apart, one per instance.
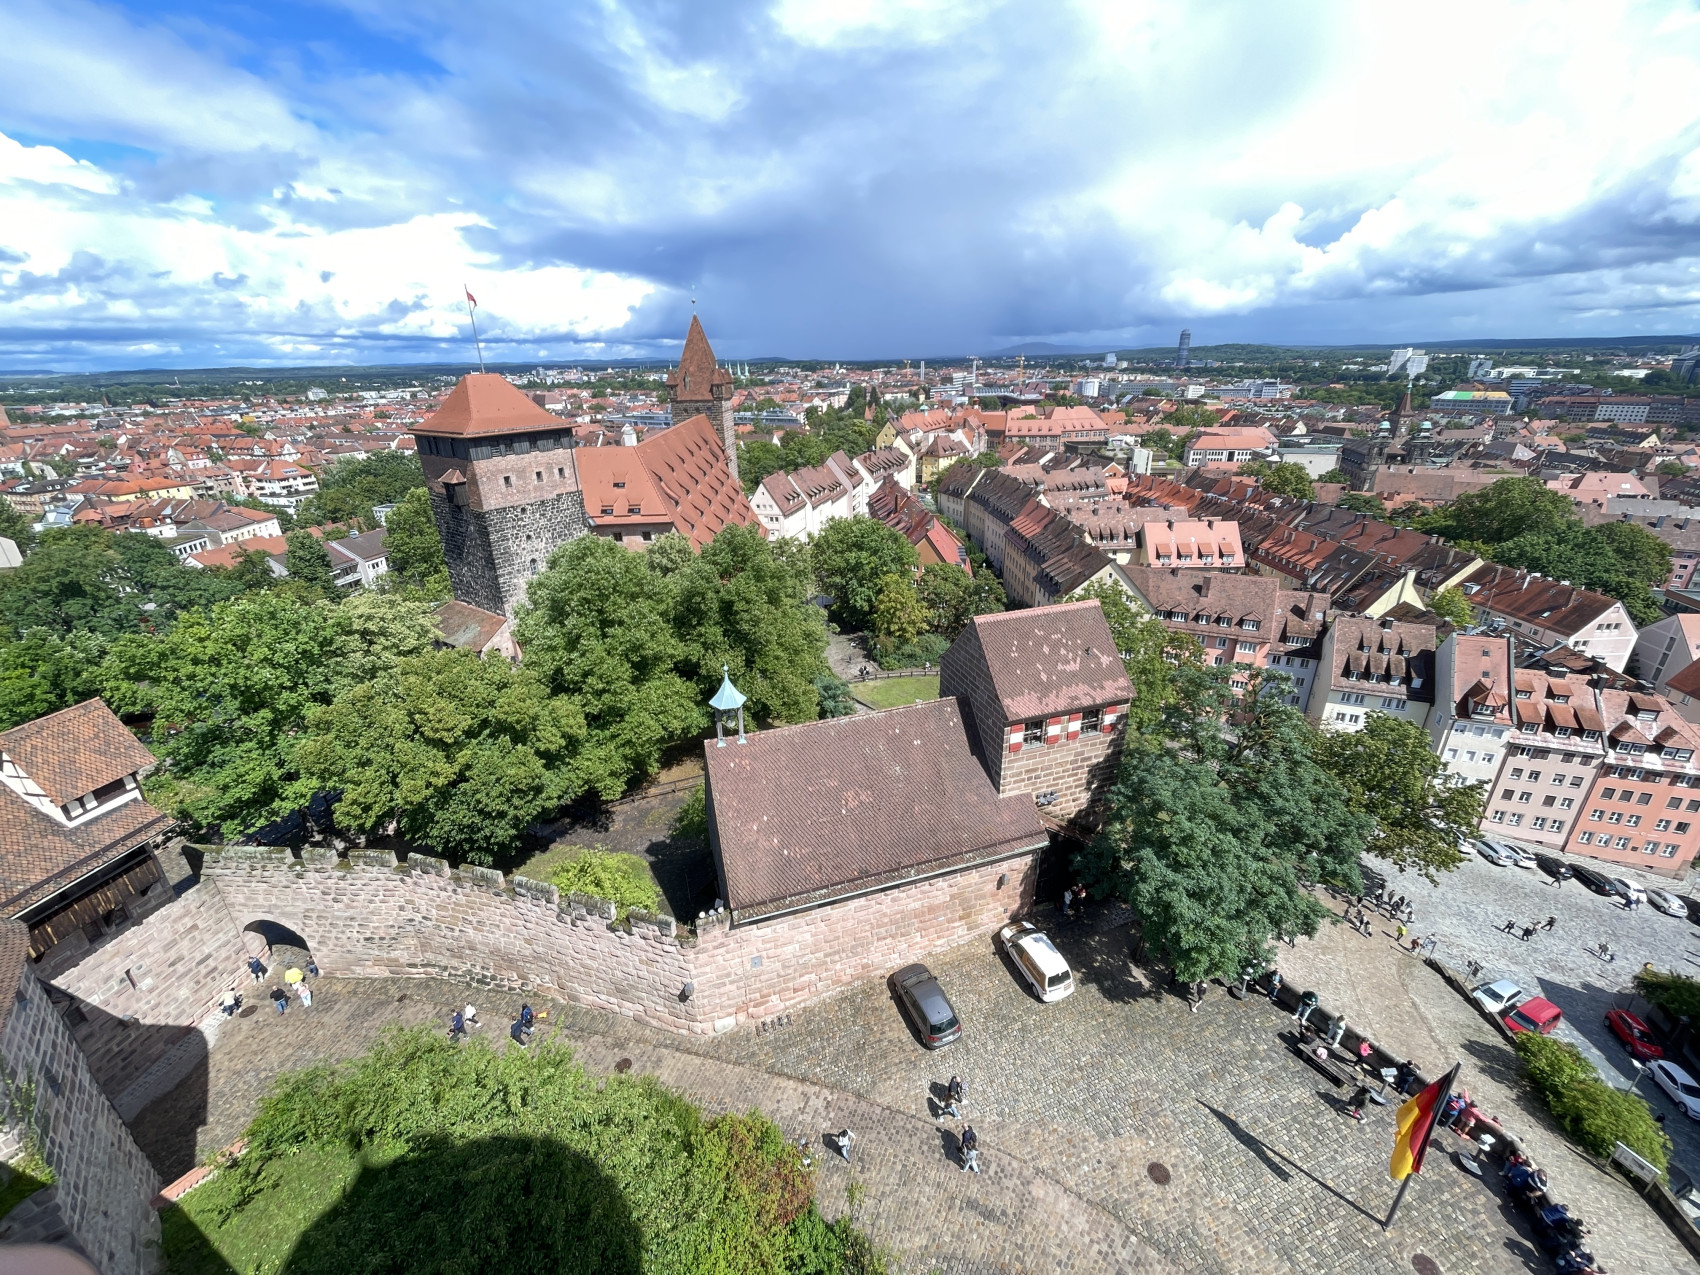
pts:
pixel 470 299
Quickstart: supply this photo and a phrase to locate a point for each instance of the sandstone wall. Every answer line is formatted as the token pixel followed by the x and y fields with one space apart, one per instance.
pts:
pixel 164 972
pixel 106 1184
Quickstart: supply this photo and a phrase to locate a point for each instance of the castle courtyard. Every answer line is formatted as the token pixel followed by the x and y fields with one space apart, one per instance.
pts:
pixel 1168 1141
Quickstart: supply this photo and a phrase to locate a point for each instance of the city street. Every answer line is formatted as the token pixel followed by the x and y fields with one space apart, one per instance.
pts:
pixel 1465 909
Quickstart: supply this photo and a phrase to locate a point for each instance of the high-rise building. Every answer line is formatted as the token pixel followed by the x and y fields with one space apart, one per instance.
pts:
pixel 1411 362
pixel 701 387
pixel 504 488
pixel 1183 352
pixel 1110 359
pixel 1479 368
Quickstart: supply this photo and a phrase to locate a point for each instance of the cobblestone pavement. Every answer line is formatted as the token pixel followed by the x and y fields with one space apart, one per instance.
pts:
pixel 917 1202
pixel 1410 1010
pixel 1464 910
pixel 1120 1131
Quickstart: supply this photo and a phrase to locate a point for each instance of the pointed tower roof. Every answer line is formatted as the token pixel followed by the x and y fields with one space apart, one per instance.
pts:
pixel 697 376
pixel 728 697
pixel 484 403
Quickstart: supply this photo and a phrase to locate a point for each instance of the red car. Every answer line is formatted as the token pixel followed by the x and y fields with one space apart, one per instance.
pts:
pixel 1634 1035
pixel 1534 1015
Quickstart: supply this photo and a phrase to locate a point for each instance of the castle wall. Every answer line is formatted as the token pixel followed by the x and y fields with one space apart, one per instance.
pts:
pixel 105 1184
pixel 370 918
pixel 166 971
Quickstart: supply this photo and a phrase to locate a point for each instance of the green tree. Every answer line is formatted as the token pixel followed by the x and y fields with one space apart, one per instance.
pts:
pixel 1672 469
pixel 899 615
pixel 598 627
pixel 349 488
pixel 44 671
pixel 852 557
pixel 1507 509
pixel 835 697
pixel 411 542
pixel 1363 502
pixel 456 752
pixel 1389 771
pixel 1451 605
pixel 15 527
pixel 951 597
pixel 758 459
pixel 1335 475
pixel 1288 478
pixel 309 563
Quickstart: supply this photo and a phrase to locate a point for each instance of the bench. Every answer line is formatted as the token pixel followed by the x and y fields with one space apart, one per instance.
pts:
pixel 1339 1074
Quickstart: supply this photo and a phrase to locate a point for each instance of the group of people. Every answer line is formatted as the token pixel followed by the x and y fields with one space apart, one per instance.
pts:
pixel 294 980
pixel 1072 898
pixel 1528 931
pixel 1559 1234
pixel 955 1093
pixel 1397 908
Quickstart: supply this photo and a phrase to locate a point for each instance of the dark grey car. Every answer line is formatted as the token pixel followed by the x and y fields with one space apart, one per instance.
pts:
pixel 924 1001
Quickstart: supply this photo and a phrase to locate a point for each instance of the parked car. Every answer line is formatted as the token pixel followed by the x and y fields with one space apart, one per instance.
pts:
pixel 1537 1014
pixel 1637 1040
pixel 1668 903
pixel 1678 1085
pixel 1038 960
pixel 1693 906
pixel 1524 858
pixel 1499 996
pixel 1554 867
pixel 1598 882
pixel 1495 853
pixel 1628 891
pixel 924 1001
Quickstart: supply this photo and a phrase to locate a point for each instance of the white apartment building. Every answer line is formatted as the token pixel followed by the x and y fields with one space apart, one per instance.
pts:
pixel 1472 718
pixel 1369 665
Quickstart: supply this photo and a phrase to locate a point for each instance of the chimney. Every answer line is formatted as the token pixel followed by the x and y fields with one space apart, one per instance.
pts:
pixel 1204 584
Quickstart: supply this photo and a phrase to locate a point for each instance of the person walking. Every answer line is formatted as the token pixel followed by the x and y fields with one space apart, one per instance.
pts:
pixel 306 995
pixel 1528 932
pixel 1275 986
pixel 312 967
pixel 1403 1075
pixel 469 1016
pixel 1399 934
pixel 256 969
pixel 1068 900
pixel 516 1033
pixel 280 998
pixel 843 1140
pixel 457 1027
pixel 1355 1104
pixel 970 1149
pixel 229 1001
pixel 1337 1030
pixel 1549 923
pixel 527 1020
pixel 1307 1003
pixel 954 1093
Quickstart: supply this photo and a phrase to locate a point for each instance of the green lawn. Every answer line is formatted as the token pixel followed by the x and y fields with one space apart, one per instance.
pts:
pixel 894 692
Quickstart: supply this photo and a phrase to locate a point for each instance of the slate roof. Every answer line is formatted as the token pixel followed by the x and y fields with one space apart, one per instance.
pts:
pixel 810 813
pixel 76 750
pixel 1052 659
pixel 484 403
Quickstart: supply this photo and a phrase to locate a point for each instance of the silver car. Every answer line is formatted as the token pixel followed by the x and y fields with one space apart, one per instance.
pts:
pixel 1667 902
pixel 924 1001
pixel 1678 1085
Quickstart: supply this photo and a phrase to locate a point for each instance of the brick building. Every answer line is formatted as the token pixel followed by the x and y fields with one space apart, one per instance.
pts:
pixel 699 386
pixel 1237 619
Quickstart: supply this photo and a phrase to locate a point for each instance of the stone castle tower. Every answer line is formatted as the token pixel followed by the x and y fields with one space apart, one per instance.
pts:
pixel 504 488
pixel 700 387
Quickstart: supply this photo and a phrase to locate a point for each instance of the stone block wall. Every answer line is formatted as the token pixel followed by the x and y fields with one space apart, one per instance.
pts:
pixel 426 919
pixel 1078 770
pixel 490 552
pixel 106 1185
pixel 164 972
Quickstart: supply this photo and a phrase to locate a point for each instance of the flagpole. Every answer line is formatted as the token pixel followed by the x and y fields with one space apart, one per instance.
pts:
pixel 1417 1158
pixel 477 344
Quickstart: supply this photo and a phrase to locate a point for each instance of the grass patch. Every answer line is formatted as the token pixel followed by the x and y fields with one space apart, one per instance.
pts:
pixel 623 879
pixel 894 692
pixel 432 1157
pixel 27 1175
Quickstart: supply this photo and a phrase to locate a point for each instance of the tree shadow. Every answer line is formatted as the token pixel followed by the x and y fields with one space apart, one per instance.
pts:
pixel 1106 959
pixel 492 1204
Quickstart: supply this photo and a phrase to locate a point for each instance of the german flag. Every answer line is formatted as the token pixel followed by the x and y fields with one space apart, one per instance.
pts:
pixel 1416 1124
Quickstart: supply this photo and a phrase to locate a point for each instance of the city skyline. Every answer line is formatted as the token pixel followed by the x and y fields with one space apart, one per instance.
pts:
pixel 317 184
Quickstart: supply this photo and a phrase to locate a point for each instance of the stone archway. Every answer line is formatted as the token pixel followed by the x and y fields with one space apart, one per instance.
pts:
pixel 283 945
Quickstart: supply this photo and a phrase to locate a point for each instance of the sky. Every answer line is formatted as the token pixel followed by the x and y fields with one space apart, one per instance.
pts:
pixel 288 182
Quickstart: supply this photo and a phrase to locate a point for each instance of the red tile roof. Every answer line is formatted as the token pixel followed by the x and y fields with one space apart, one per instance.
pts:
pixel 1052 659
pixel 809 813
pixel 484 403
pixel 74 751
pixel 698 375
pixel 688 467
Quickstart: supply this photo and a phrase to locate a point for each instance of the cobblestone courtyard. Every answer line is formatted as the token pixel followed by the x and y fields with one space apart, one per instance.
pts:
pixel 1075 1103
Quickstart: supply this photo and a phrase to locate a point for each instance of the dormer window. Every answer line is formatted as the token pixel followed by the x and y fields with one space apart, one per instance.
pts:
pixel 1224 621
pixel 1560 699
pixel 1251 625
pixel 1591 734
pixel 620 484
pixel 1679 754
pixel 1524 694
pixel 1647 715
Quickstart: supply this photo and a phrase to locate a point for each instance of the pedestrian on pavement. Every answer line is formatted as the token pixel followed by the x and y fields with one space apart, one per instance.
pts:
pixel 953 1095
pixel 280 998
pixel 229 1001
pixel 1195 994
pixel 1403 1075
pixel 306 995
pixel 457 1027
pixel 1355 1104
pixel 312 967
pixel 970 1149
pixel 256 969
pixel 803 1150
pixel 1307 1003
pixel 469 1018
pixel 1337 1030
pixel 1528 932
pixel 1510 926
pixel 1399 933
pixel 842 1140
pixel 527 1020
pixel 1275 985
pixel 1549 923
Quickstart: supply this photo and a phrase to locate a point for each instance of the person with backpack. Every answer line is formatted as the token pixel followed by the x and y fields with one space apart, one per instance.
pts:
pixel 457 1027
pixel 954 1093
